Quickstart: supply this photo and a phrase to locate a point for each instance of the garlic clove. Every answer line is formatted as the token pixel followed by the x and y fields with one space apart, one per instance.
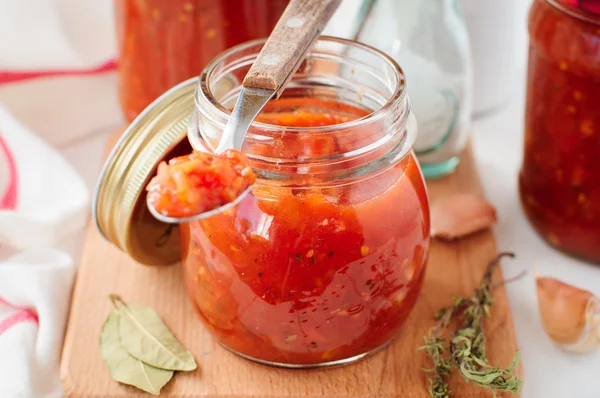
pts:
pixel 562 308
pixel 458 215
pixel 570 316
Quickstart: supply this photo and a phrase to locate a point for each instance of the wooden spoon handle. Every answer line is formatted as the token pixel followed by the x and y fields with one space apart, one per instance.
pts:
pixel 300 25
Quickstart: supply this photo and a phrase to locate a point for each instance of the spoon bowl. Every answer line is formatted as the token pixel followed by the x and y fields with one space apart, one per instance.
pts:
pixel 249 104
pixel 199 216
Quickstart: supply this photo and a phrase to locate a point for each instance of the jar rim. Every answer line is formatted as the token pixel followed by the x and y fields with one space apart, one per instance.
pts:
pixel 204 92
pixel 388 129
pixel 575 12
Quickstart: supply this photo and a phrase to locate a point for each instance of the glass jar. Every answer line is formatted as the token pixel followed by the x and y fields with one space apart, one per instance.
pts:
pixel 560 176
pixel 323 261
pixel 430 40
pixel 164 42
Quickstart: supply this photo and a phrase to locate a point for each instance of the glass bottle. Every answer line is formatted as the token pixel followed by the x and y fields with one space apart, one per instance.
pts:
pixel 430 40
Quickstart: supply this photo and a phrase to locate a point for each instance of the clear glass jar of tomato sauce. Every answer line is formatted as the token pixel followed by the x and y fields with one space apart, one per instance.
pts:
pixel 560 175
pixel 164 42
pixel 323 261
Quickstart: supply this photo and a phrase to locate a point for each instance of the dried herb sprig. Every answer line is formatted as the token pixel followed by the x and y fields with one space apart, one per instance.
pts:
pixel 465 348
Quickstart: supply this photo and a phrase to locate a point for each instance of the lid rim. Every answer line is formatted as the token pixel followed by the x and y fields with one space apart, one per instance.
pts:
pixel 119 204
pixel 127 133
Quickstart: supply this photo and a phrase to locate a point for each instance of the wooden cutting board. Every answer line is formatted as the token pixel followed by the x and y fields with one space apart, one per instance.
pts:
pixel 453 269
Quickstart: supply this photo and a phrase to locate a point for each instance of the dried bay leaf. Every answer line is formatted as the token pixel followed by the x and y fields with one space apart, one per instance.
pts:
pixel 145 336
pixel 123 367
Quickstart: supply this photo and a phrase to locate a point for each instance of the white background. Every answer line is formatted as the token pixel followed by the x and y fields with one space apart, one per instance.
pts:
pixel 497 139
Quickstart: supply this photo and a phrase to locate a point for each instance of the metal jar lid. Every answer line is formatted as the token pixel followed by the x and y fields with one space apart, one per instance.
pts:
pixel 119 208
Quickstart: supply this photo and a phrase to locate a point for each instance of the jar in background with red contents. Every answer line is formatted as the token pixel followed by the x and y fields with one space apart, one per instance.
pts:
pixel 323 261
pixel 164 42
pixel 560 176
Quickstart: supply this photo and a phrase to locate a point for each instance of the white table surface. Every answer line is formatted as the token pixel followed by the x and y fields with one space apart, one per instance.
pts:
pixel 497 139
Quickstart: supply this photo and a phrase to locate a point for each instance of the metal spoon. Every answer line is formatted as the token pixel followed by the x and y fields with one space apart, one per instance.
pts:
pixel 300 25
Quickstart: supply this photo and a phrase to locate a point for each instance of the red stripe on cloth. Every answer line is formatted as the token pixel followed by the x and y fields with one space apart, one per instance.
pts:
pixel 9 201
pixel 17 318
pixel 8 76
pixel 8 304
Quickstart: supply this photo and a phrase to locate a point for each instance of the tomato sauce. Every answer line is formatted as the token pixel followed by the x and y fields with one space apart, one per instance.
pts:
pixel 560 176
pixel 311 274
pixel 199 182
pixel 164 42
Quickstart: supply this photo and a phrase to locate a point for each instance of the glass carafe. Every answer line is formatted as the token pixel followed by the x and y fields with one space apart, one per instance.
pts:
pixel 430 40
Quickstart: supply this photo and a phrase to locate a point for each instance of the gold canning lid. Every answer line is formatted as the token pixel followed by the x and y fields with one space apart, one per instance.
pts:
pixel 119 209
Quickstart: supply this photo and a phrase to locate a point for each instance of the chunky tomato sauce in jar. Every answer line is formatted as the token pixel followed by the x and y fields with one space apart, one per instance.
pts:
pixel 199 182
pixel 323 261
pixel 164 42
pixel 560 176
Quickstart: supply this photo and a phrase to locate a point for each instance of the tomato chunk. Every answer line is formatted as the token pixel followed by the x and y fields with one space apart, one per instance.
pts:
pixel 199 182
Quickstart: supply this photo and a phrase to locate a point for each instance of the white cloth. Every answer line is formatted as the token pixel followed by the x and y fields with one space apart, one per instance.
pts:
pixel 55 34
pixel 35 287
pixel 47 199
pixel 42 201
pixel 57 67
pixel 57 79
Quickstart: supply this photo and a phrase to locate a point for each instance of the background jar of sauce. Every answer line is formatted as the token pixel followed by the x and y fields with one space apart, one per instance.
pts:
pixel 560 175
pixel 322 263
pixel 164 42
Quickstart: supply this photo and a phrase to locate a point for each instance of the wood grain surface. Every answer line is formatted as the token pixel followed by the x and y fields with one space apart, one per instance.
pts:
pixel 453 269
